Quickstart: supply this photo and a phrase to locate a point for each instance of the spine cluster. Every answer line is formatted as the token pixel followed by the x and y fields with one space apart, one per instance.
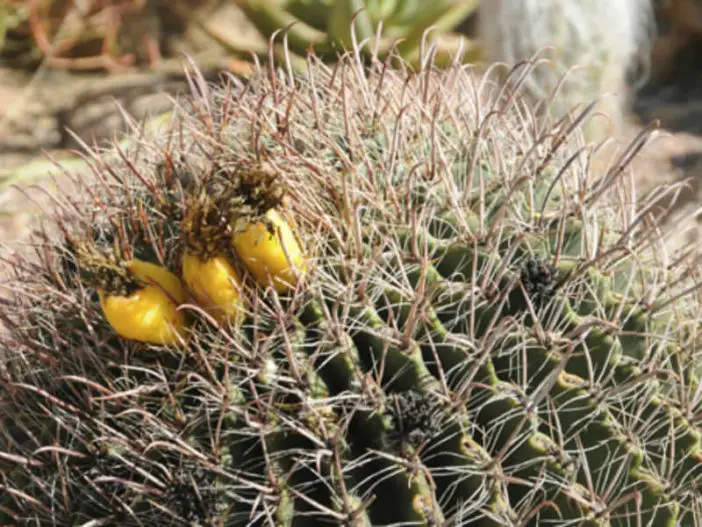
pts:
pixel 362 295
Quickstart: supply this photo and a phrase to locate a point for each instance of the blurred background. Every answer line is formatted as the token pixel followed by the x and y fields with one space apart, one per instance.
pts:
pixel 65 63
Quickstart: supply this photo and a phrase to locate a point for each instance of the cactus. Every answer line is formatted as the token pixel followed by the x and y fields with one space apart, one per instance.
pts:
pixel 590 47
pixel 474 329
pixel 401 25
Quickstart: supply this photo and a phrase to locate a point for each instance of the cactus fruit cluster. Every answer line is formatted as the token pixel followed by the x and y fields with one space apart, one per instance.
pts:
pixel 470 326
pixel 401 25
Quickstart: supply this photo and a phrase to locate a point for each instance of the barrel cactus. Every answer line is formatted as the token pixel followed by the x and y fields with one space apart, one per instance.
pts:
pixel 356 296
pixel 323 26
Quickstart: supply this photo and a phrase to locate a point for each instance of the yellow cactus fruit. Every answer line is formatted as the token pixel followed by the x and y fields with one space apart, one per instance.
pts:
pixel 139 299
pixel 206 270
pixel 147 311
pixel 215 285
pixel 271 253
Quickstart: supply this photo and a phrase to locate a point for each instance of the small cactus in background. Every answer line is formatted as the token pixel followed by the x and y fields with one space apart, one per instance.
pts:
pixel 590 47
pixel 474 329
pixel 324 26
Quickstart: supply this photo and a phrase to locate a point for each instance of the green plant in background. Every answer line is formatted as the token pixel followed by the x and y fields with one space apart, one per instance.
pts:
pixel 481 331
pixel 15 37
pixel 323 25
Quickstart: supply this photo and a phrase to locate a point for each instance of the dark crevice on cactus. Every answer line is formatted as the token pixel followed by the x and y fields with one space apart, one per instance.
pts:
pixel 539 280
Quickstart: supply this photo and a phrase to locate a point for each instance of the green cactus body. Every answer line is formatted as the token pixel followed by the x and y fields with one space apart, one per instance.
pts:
pixel 484 334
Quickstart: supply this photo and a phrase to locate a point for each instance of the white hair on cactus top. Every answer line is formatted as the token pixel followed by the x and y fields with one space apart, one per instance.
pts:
pixel 600 37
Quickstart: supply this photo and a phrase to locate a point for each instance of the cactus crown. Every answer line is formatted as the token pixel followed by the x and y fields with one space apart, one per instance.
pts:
pixel 227 203
pixel 488 332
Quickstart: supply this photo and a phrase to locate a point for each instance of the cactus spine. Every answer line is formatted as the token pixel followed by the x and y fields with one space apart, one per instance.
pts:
pixel 485 333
